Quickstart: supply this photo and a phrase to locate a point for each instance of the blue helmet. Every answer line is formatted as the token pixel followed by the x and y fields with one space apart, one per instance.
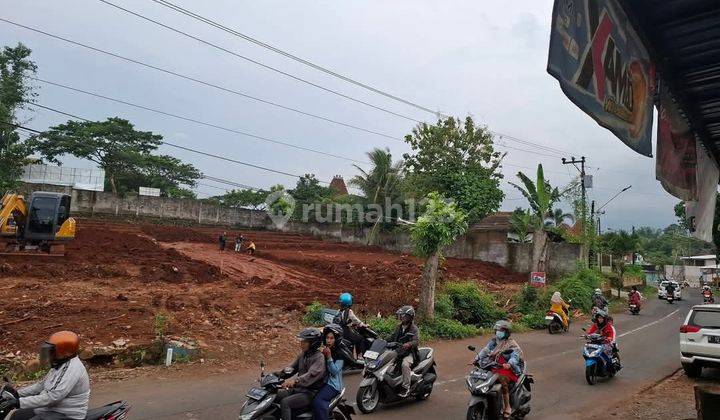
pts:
pixel 345 300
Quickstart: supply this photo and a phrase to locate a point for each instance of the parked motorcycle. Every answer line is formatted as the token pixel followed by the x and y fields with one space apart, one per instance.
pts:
pixel 261 401
pixel 486 400
pixel 113 411
pixel 382 377
pixel 597 362
pixel 347 348
pixel 633 309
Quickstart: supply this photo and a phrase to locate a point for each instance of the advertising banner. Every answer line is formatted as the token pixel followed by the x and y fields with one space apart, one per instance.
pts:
pixel 603 67
pixel 537 279
pixel 676 162
pixel 701 213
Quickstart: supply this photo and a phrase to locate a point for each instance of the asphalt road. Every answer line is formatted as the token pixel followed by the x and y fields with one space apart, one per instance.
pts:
pixel 648 348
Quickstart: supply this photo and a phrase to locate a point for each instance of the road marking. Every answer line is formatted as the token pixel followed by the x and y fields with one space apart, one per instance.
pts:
pixel 650 324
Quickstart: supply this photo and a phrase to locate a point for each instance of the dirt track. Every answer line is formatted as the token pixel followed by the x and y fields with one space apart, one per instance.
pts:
pixel 117 277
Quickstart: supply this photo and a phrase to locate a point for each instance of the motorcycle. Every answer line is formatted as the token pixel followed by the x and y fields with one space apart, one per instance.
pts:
pixel 347 348
pixel 708 297
pixel 113 411
pixel 633 309
pixel 261 401
pixel 486 400
pixel 382 378
pixel 597 363
pixel 670 298
pixel 554 323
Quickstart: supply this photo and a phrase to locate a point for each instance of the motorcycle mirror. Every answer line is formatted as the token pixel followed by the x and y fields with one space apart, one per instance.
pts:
pixel 584 329
pixel 471 348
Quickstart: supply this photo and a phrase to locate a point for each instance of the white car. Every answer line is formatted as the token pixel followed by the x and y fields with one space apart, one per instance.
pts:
pixel 700 339
pixel 662 294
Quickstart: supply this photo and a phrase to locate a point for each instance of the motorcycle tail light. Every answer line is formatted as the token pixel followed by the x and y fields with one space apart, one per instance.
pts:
pixel 689 329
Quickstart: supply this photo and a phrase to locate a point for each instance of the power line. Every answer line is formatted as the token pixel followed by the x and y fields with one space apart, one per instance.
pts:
pixel 202 82
pixel 296 58
pixel 185 148
pixel 265 66
pixel 231 130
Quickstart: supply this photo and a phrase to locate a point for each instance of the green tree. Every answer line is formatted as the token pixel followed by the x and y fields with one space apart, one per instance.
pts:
pixel 309 192
pixel 522 223
pixel 381 185
pixel 541 196
pixel 557 217
pixel 243 198
pixel 123 152
pixel 620 244
pixel 441 222
pixel 15 94
pixel 459 160
pixel 282 203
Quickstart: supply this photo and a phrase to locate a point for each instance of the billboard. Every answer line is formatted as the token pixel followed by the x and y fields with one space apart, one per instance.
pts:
pixel 701 213
pixel 676 162
pixel 603 67
pixel 77 178
pixel 151 192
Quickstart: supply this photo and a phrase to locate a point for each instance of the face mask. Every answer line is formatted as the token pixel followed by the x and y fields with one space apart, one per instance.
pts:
pixel 500 334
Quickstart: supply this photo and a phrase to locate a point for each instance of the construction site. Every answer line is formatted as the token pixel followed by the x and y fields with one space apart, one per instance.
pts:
pixel 118 279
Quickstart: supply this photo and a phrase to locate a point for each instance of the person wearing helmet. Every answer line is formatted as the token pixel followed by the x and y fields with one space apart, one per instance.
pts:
pixel 332 335
pixel 603 325
pixel 507 355
pixel 598 300
pixel 634 297
pixel 64 393
pixel 560 307
pixel 407 336
pixel 309 366
pixel 347 319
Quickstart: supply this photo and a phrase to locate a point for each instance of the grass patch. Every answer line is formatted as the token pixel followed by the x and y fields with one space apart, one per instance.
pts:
pixel 470 304
pixel 313 314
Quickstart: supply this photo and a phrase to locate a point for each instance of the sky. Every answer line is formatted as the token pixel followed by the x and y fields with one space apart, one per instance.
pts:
pixel 484 58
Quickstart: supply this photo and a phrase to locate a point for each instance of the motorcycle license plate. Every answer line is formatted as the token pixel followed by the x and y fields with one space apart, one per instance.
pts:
pixel 714 339
pixel 549 318
pixel 372 355
pixel 256 393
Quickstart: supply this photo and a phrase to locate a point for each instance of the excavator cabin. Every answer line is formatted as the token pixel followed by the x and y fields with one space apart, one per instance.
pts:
pixel 40 225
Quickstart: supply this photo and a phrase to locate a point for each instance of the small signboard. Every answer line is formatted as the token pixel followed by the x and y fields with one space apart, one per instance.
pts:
pixel 537 279
pixel 152 192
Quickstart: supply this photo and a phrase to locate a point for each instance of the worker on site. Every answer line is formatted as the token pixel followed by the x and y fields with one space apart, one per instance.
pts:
pixel 251 248
pixel 238 242
pixel 222 240
pixel 63 394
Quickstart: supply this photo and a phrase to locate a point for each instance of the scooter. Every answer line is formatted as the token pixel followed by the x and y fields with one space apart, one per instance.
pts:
pixel 261 401
pixel 708 297
pixel 347 348
pixel 597 363
pixel 486 400
pixel 382 378
pixel 554 323
pixel 670 298
pixel 633 309
pixel 113 411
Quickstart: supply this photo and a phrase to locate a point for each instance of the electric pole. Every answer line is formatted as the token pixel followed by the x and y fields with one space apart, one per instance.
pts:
pixel 583 204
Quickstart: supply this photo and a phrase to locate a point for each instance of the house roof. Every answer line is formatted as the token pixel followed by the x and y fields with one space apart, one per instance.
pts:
pixel 699 257
pixel 496 222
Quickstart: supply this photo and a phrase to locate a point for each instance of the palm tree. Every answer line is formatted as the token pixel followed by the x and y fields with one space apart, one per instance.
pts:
pixel 522 223
pixel 558 217
pixel 379 184
pixel 541 196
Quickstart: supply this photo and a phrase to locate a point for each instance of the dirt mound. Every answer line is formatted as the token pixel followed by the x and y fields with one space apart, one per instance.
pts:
pixel 177 234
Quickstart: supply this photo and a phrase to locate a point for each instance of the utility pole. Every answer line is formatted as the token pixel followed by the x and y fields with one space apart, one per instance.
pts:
pixel 583 205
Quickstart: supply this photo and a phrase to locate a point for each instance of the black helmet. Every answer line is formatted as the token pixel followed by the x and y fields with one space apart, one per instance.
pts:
pixel 405 310
pixel 600 313
pixel 313 336
pixel 335 329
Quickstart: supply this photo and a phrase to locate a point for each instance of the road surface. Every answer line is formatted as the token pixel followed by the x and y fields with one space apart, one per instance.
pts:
pixel 648 349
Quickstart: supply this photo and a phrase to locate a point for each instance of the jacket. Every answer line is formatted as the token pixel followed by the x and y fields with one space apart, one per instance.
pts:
pixel 403 335
pixel 64 390
pixel 511 352
pixel 310 369
pixel 607 331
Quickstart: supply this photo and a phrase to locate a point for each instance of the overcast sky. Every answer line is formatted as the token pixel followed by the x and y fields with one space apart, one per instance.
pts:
pixel 482 58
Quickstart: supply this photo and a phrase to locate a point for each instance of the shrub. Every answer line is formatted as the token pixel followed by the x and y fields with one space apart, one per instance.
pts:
pixel 313 314
pixel 472 305
pixel 534 320
pixel 444 306
pixel 448 329
pixel 579 287
pixel 635 271
pixel 383 326
pixel 528 300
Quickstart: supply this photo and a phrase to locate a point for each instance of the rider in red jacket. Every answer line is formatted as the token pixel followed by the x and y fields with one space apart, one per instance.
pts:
pixel 603 325
pixel 634 297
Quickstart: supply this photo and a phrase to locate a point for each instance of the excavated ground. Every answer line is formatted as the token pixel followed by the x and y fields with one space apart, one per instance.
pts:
pixel 116 278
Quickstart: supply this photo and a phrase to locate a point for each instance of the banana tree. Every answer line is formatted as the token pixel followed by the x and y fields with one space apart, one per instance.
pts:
pixel 540 196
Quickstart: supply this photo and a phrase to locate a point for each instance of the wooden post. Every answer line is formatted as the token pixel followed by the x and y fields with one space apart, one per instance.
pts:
pixel 707 401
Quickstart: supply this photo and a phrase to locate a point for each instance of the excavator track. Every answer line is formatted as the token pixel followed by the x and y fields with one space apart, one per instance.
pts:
pixel 14 249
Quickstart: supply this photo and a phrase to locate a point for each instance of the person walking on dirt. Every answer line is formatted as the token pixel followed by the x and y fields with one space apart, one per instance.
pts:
pixel 251 248
pixel 63 394
pixel 238 242
pixel 222 240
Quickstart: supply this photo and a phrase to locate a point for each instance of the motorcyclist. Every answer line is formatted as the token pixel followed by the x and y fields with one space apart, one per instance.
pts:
pixel 634 297
pixel 603 325
pixel 347 319
pixel 332 335
pixel 64 393
pixel 407 336
pixel 670 290
pixel 560 307
pixel 508 355
pixel 310 368
pixel 707 292
pixel 598 300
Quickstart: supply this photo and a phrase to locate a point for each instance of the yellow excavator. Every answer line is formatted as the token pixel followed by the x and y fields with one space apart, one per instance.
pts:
pixel 40 226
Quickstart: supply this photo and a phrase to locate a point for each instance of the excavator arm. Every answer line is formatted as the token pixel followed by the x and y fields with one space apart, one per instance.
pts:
pixel 13 212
